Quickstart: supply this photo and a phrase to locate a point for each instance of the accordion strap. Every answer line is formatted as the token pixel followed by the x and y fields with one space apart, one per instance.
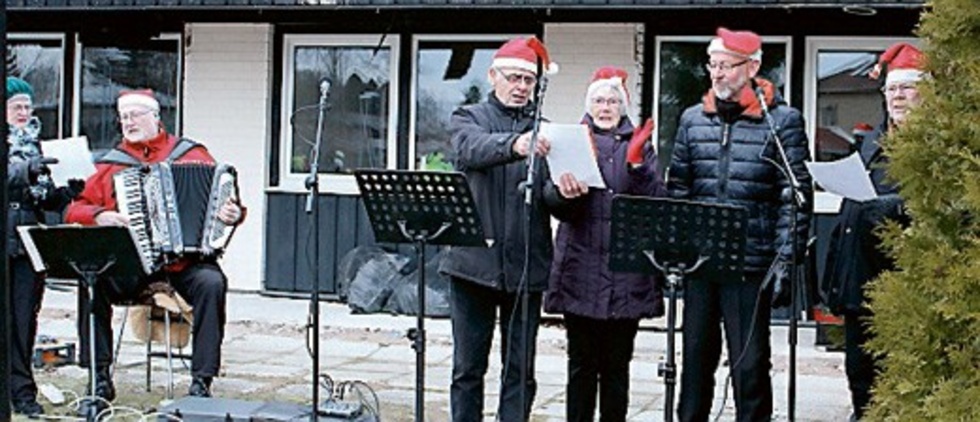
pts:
pixel 118 156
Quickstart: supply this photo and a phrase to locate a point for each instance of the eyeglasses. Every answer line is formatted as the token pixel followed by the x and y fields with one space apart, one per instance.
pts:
pixel 13 108
pixel 133 115
pixel 515 78
pixel 606 101
pixel 723 66
pixel 893 89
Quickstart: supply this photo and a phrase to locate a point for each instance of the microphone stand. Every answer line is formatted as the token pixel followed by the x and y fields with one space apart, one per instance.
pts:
pixel 313 209
pixel 525 293
pixel 798 202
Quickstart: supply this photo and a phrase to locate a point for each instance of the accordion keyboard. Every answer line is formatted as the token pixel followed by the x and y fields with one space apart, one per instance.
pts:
pixel 129 197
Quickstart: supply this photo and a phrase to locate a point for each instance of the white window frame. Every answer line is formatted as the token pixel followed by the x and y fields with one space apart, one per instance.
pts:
pixel 42 36
pixel 826 202
pixel 705 40
pixel 413 96
pixel 332 183
pixel 76 112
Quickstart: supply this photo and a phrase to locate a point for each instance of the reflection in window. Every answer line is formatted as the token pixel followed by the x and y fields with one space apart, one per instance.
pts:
pixel 108 70
pixel 355 127
pixel 450 74
pixel 684 80
pixel 40 63
pixel 848 102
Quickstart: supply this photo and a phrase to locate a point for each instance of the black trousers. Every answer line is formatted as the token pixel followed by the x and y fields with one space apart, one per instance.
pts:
pixel 860 366
pixel 474 310
pixel 599 355
pixel 744 312
pixel 26 293
pixel 201 284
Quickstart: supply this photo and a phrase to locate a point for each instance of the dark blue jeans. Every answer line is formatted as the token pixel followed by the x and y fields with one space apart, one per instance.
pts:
pixel 744 311
pixel 474 310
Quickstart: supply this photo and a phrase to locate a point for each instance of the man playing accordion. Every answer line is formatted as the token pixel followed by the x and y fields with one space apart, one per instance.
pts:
pixel 196 277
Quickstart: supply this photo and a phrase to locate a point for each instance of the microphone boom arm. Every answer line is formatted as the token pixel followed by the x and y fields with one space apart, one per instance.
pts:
pixel 773 130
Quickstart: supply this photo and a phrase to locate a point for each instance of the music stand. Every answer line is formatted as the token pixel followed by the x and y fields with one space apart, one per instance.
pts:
pixel 86 254
pixel 422 208
pixel 677 238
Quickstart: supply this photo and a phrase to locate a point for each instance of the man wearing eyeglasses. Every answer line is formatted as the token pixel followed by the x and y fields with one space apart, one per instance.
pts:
pixel 198 279
pixel 855 256
pixel 724 153
pixel 492 140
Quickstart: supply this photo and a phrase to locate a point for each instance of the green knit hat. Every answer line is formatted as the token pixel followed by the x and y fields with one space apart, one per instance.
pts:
pixel 17 86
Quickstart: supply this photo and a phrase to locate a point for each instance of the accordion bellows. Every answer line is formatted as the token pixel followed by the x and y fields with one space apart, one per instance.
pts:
pixel 173 208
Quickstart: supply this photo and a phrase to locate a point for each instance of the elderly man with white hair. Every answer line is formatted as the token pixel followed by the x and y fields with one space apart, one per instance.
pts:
pixel 725 153
pixel 198 279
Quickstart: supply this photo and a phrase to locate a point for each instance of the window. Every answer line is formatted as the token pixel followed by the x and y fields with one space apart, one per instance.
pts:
pixel 360 114
pixel 39 60
pixel 106 70
pixel 450 72
pixel 841 100
pixel 684 79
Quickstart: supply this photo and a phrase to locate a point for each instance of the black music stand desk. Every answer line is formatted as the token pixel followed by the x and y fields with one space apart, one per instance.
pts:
pixel 676 238
pixel 422 208
pixel 86 254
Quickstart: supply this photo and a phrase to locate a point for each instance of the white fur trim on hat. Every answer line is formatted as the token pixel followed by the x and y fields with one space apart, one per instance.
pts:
pixel 138 99
pixel 718 46
pixel 19 97
pixel 903 75
pixel 616 83
pixel 513 63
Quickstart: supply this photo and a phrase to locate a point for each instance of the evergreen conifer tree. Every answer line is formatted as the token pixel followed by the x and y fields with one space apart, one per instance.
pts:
pixel 927 314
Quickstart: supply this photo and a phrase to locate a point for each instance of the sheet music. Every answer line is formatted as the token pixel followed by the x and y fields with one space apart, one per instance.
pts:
pixel 571 152
pixel 31 248
pixel 74 159
pixel 846 177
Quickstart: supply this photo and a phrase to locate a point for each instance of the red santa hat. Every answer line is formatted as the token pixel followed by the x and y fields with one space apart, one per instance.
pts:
pixel 610 76
pixel 902 62
pixel 745 44
pixel 523 53
pixel 140 97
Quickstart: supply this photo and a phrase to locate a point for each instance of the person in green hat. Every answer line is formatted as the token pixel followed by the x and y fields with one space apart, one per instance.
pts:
pixel 31 193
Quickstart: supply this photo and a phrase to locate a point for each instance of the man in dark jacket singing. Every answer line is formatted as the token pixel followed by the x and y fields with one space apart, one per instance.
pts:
pixel 725 153
pixel 492 140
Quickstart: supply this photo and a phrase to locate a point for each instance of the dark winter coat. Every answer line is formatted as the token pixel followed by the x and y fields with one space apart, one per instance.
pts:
pixel 855 255
pixel 24 209
pixel 581 282
pixel 728 162
pixel 483 136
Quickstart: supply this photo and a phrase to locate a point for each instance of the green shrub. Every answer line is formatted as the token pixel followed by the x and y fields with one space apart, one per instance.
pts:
pixel 927 314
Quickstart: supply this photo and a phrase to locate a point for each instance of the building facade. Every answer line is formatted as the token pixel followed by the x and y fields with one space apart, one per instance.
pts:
pixel 244 77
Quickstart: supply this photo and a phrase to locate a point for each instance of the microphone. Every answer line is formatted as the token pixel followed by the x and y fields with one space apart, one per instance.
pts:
pixel 762 100
pixel 324 88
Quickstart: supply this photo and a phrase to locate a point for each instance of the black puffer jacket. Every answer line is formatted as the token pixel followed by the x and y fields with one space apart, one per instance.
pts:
pixel 720 160
pixel 483 136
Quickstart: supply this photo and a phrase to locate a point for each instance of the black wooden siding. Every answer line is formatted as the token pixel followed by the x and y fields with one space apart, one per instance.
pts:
pixel 435 4
pixel 343 225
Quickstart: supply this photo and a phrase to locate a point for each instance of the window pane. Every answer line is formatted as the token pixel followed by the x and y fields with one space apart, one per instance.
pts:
pixel 40 63
pixel 355 127
pixel 684 80
pixel 108 70
pixel 450 74
pixel 846 100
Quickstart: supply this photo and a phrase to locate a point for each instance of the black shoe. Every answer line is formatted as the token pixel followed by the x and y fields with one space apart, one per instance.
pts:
pixel 103 386
pixel 30 408
pixel 200 387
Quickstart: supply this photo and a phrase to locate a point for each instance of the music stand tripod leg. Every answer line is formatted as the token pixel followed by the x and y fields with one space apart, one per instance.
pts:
pixel 668 370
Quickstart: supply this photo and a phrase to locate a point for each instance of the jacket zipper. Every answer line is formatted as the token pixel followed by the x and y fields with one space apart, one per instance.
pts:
pixel 726 158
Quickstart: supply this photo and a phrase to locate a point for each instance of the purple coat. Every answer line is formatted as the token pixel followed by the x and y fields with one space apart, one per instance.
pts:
pixel 581 282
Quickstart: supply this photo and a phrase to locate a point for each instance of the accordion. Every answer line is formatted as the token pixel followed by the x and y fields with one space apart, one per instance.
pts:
pixel 173 208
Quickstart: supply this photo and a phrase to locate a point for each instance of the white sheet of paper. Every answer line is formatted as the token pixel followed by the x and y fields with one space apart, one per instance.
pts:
pixel 571 152
pixel 74 159
pixel 846 177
